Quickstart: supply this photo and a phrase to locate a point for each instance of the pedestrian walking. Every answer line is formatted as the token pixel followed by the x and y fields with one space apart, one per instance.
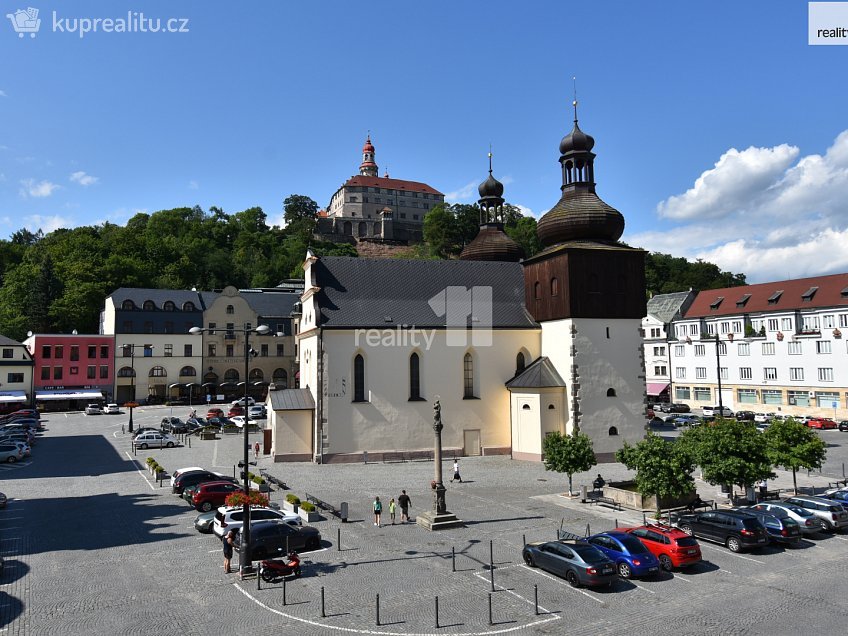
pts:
pixel 392 510
pixel 763 488
pixel 229 539
pixel 456 471
pixel 256 450
pixel 378 511
pixel 404 502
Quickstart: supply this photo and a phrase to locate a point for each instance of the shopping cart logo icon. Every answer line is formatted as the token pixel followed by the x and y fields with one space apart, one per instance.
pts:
pixel 25 21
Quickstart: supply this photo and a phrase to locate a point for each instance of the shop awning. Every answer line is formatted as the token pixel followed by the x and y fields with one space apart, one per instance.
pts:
pixel 12 396
pixel 68 395
pixel 655 388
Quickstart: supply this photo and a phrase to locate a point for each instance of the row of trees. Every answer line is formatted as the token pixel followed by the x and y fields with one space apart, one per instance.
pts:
pixel 727 452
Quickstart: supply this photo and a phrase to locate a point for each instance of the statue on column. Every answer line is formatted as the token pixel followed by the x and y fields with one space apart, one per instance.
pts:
pixel 439 504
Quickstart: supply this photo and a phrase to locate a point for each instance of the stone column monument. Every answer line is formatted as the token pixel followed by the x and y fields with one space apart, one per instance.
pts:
pixel 438 518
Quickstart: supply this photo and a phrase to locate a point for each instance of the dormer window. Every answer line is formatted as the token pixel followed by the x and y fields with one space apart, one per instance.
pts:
pixel 716 303
pixel 743 301
pixel 149 305
pixel 775 297
pixel 844 293
pixel 807 296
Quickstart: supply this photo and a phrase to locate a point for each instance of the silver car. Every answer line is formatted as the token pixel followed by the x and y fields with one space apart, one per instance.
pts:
pixel 153 439
pixel 831 515
pixel 806 520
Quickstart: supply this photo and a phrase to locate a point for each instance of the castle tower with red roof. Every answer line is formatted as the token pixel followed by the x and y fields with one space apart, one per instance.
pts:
pixel 368 167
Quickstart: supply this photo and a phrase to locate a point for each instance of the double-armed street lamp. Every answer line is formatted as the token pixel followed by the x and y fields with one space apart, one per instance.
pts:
pixel 132 401
pixel 261 330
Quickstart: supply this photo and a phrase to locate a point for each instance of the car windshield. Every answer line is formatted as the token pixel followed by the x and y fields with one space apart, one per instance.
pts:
pixel 687 542
pixel 751 524
pixel 801 512
pixel 589 553
pixel 633 545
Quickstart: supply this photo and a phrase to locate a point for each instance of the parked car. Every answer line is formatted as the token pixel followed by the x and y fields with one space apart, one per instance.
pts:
pixel 257 412
pixel 839 496
pixel 736 529
pixel 821 423
pixel 672 547
pixel 212 494
pixel 18 436
pixel 232 518
pixel 235 411
pixel 203 522
pixel 192 478
pixel 155 439
pixel 272 537
pixel 843 425
pixel 807 522
pixel 761 418
pixel 579 562
pixel 10 452
pixel 686 420
pixel 182 471
pixel 781 529
pixel 630 555
pixel 26 449
pixel 112 409
pixel 238 420
pixel 716 411
pixel 194 424
pixel 240 402
pixel 677 407
pixel 3 500
pixel 831 515
pixel 144 429
pixel 745 416
pixel 94 409
pixel 214 412
pixel 173 425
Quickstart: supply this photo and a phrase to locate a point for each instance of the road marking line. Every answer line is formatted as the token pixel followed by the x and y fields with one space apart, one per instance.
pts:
pixel 725 571
pixel 380 633
pixel 138 470
pixel 641 588
pixel 732 553
pixel 682 578
pixel 561 582
pixel 542 609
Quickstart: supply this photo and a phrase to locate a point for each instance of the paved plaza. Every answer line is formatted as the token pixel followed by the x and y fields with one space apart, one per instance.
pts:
pixel 93 545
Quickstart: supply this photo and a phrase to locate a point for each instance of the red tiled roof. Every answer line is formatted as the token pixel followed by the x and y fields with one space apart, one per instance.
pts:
pixel 832 292
pixel 394 184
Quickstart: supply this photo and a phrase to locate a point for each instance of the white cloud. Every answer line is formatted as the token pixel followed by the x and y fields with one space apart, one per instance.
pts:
pixel 3 94
pixel 46 224
pixel 765 212
pixel 463 194
pixel 193 185
pixel 527 211
pixel 84 179
pixel 40 189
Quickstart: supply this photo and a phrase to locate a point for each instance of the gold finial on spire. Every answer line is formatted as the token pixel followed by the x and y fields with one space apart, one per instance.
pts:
pixel 574 103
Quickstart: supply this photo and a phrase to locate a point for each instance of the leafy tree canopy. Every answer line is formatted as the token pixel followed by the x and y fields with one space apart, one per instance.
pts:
pixel 791 445
pixel 568 454
pixel 663 469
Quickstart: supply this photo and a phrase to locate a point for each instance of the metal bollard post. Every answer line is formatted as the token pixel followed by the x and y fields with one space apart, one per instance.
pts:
pixel 492 576
pixel 644 519
pixel 323 614
pixel 437 612
pixel 284 595
pixel 490 609
pixel 491 553
pixel 338 539
pixel 259 579
pixel 588 530
pixel 523 539
pixel 378 610
pixel 453 559
pixel 536 598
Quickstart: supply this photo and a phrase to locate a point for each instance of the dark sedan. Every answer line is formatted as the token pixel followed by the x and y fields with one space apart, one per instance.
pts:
pixel 197 477
pixel 273 537
pixel 780 529
pixel 173 425
pixel 577 561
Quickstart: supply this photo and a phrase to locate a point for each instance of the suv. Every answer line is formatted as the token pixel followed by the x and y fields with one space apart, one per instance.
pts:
pixel 272 537
pixel 112 409
pixel 93 409
pixel 232 518
pixel 674 548
pixel 716 411
pixel 736 529
pixel 194 477
pixel 832 516
pixel 746 416
pixel 240 402
pixel 173 425
pixel 212 494
pixel 676 407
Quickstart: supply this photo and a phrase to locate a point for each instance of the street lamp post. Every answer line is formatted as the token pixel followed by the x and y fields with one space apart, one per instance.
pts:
pixel 132 384
pixel 244 558
pixel 718 376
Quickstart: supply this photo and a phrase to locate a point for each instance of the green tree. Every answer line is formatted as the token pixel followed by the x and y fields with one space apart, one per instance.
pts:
pixel 440 231
pixel 728 452
pixel 568 454
pixel 663 469
pixel 300 214
pixel 791 445
pixel 523 232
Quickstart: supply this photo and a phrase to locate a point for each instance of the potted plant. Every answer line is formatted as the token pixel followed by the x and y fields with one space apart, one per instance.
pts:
pixel 292 503
pixel 308 512
pixel 730 336
pixel 837 333
pixel 780 336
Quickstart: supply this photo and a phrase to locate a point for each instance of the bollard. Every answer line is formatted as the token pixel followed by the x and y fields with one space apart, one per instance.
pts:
pixel 323 614
pixel 259 578
pixel 189 442
pixel 338 539
pixel 491 553
pixel 378 610
pixel 492 576
pixel 616 522
pixel 453 559
pixel 536 598
pixel 644 519
pixel 284 594
pixel 523 539
pixel 437 612
pixel 490 609
pixel 123 432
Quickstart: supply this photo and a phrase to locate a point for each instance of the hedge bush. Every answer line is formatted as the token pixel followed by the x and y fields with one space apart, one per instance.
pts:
pixel 307 506
pixel 293 499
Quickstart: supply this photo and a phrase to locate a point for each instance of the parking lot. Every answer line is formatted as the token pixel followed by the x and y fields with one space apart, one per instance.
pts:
pixel 93 545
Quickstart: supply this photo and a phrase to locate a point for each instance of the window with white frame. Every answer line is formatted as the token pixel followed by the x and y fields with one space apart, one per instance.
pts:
pixel 768 348
pixel 744 349
pixel 722 348
pixel 770 373
pixel 679 351
pixel 796 373
pixel 680 373
pixel 827 399
pixel 682 393
pixel 786 324
pixel 725 326
pixel 659 351
pixel 825 374
pixel 811 323
pixel 656 332
pixel 827 321
pixel 772 324
pixel 843 320
pixel 722 373
pixel 701 373
pixel 711 328
pixel 756 324
pixel 703 394
pixel 822 346
pixel 798 398
pixel 693 330
pixel 746 396
pixel 660 370
pixel 737 326
pixel 681 331
pixel 794 348
pixel 700 350
pixel 772 396
pixel 745 373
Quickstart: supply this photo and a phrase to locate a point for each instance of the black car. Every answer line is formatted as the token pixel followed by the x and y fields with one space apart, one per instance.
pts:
pixel 677 407
pixel 780 529
pixel 272 537
pixel 736 529
pixel 745 416
pixel 197 477
pixel 843 425
pixel 173 425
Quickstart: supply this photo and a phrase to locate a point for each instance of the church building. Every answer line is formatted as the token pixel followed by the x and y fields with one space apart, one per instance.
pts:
pixel 513 349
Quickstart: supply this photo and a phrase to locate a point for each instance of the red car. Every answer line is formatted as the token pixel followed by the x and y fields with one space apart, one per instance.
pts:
pixel 674 548
pixel 212 494
pixel 214 412
pixel 821 423
pixel 235 410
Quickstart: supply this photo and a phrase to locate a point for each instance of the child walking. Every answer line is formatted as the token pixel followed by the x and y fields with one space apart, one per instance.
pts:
pixel 392 510
pixel 378 511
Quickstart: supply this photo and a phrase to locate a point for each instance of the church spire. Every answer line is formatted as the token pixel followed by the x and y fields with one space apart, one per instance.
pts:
pixel 368 167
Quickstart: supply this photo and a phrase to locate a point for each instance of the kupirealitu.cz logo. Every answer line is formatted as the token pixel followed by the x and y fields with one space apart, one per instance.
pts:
pixel 27 21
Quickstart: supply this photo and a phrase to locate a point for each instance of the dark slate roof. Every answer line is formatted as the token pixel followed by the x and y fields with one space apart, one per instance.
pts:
pixel 139 294
pixel 291 400
pixel 540 374
pixel 667 307
pixel 8 342
pixel 271 303
pixel 386 293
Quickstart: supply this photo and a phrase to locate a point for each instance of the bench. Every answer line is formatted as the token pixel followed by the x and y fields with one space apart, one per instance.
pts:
pixel 707 504
pixel 604 501
pixel 323 505
pixel 839 483
pixel 769 494
pixel 279 483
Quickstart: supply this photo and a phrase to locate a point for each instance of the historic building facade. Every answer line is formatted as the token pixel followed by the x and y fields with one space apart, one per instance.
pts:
pixel 16 375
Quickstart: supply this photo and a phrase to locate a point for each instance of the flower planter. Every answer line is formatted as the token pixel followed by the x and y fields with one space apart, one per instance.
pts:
pixel 290 507
pixel 308 517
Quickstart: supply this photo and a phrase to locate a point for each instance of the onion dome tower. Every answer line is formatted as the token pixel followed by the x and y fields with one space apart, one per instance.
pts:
pixel 491 243
pixel 579 215
pixel 368 167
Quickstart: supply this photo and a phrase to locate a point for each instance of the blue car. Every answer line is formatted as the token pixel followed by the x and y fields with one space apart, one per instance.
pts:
pixel 630 555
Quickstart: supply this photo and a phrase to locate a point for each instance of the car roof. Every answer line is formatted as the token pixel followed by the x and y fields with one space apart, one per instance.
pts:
pixel 809 498
pixel 736 513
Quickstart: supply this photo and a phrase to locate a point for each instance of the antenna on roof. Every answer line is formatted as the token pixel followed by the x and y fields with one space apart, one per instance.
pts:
pixel 574 103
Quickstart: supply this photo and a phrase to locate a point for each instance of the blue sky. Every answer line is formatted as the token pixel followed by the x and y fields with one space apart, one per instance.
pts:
pixel 719 131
